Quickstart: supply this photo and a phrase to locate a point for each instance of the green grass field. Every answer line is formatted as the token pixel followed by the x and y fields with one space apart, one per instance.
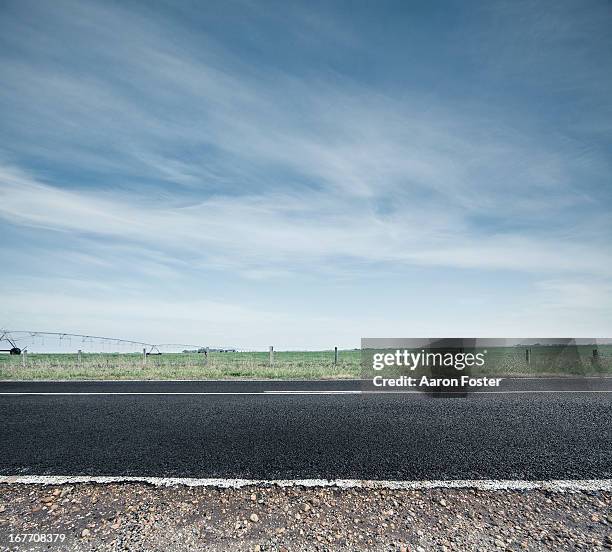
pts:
pixel 254 365
pixel 287 365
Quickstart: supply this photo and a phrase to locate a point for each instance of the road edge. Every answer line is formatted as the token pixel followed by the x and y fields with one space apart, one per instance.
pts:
pixel 556 485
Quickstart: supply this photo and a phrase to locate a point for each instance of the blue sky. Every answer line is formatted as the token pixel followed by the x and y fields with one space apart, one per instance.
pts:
pixel 306 174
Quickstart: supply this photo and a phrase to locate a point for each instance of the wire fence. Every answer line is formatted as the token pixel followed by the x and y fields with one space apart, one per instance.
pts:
pixel 574 359
pixel 53 355
pixel 214 365
pixel 63 356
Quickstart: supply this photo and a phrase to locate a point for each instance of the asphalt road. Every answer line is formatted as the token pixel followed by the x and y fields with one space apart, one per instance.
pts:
pixel 532 429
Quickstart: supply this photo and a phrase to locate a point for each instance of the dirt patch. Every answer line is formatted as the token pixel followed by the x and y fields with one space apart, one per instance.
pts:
pixel 143 517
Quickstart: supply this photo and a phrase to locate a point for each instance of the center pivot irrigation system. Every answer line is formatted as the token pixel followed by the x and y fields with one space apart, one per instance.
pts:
pixel 16 342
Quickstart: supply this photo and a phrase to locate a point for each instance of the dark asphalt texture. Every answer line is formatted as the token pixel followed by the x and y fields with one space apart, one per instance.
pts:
pixel 406 436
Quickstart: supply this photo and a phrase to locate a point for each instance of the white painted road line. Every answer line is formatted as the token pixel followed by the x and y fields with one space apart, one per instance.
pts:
pixel 433 390
pixel 518 378
pixel 184 393
pixel 297 392
pixel 274 392
pixel 556 485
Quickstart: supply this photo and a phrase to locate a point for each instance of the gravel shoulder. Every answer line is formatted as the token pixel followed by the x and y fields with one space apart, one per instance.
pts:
pixel 143 517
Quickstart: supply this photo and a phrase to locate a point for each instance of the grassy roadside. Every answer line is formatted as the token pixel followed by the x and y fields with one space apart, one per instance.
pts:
pixel 287 365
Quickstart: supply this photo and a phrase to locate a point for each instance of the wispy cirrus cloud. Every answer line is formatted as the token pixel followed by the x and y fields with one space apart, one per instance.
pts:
pixel 285 230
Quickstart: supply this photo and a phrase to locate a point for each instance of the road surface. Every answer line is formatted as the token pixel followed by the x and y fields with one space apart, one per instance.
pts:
pixel 529 429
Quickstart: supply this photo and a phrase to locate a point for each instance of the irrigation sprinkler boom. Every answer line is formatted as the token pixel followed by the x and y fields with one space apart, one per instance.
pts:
pixel 14 337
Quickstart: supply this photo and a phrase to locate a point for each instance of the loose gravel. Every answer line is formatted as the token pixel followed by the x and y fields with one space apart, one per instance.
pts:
pixel 140 517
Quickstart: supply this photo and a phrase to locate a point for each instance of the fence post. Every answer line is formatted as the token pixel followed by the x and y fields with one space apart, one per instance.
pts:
pixel 23 358
pixel 206 356
pixel 335 356
pixel 528 356
pixel 595 353
pixel 144 356
pixel 271 355
pixel 79 359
